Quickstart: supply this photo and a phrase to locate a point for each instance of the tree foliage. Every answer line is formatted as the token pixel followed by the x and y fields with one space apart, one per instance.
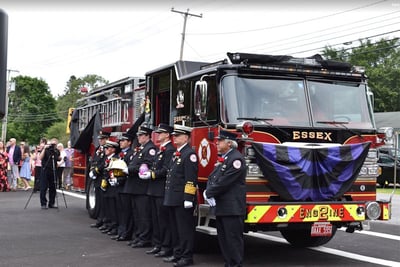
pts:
pixel 32 109
pixel 381 61
pixel 72 91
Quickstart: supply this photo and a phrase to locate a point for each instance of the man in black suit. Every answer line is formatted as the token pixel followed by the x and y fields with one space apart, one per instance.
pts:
pixel 226 193
pixel 137 184
pixel 124 208
pixel 96 173
pixel 180 197
pixel 161 235
pixel 49 156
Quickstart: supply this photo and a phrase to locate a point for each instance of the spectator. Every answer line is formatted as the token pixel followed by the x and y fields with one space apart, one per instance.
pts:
pixel 25 171
pixel 14 157
pixel 60 165
pixel 67 179
pixel 3 168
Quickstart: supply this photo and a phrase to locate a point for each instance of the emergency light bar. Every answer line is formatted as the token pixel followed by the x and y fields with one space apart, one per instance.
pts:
pixel 314 62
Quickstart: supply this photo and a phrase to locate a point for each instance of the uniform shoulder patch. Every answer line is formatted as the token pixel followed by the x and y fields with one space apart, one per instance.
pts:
pixel 193 158
pixel 237 164
pixel 152 152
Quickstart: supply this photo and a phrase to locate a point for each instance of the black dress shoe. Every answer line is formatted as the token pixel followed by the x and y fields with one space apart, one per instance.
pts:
pixel 141 244
pixel 96 225
pixel 153 250
pixel 104 227
pixel 122 238
pixel 183 263
pixel 53 207
pixel 115 237
pixel 112 232
pixel 171 259
pixel 163 253
pixel 105 231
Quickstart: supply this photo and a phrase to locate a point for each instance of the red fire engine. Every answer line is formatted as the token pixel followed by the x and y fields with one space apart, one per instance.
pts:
pixel 305 127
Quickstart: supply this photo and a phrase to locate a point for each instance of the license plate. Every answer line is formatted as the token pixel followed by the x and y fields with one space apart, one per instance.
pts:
pixel 321 229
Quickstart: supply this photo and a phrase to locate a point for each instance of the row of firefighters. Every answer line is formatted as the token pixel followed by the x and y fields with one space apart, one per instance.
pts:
pixel 147 194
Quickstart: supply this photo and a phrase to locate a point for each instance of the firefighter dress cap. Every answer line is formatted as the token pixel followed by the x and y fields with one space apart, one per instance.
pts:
pixel 111 144
pixel 180 129
pixel 126 136
pixel 144 130
pixel 164 128
pixel 103 134
pixel 226 135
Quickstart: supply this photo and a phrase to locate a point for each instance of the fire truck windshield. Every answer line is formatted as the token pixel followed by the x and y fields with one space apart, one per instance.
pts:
pixel 295 102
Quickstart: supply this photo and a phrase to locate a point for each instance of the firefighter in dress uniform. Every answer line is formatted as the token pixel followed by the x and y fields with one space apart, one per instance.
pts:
pixel 180 197
pixel 161 238
pixel 124 209
pixel 137 185
pixel 110 188
pixel 226 194
pixel 96 172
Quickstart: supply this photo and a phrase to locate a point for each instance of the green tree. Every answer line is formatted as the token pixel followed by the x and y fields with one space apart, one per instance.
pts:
pixel 32 109
pixel 58 130
pixel 381 61
pixel 72 91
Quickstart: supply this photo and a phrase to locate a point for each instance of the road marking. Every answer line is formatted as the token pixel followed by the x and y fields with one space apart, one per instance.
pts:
pixel 388 236
pixel 78 195
pixel 332 251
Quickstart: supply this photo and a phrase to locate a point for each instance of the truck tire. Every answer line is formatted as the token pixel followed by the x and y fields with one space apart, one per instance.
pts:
pixel 301 237
pixel 91 200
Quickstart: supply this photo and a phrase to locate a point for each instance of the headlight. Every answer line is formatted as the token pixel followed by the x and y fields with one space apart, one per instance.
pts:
pixel 373 210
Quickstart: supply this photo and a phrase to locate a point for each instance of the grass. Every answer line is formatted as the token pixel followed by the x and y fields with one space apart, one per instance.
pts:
pixel 388 190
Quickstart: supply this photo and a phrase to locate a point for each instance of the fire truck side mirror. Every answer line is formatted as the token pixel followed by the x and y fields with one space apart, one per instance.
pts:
pixel 200 97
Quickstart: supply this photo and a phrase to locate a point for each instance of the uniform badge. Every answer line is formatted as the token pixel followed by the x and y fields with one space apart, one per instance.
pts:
pixel 193 158
pixel 152 152
pixel 237 164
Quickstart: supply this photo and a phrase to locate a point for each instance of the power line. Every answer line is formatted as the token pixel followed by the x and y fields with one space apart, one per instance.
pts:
pixel 291 24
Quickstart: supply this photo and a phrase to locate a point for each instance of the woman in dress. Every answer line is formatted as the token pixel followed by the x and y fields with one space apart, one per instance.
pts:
pixel 3 168
pixel 25 172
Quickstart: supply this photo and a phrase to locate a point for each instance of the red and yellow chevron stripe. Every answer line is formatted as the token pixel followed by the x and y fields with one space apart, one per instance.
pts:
pixel 284 213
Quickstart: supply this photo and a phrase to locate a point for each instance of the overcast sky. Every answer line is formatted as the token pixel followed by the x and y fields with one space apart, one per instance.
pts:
pixel 128 38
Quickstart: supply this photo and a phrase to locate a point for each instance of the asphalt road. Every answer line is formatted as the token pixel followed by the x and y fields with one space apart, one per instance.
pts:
pixel 62 237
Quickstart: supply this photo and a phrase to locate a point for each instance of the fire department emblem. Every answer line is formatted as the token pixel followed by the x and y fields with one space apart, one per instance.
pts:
pixel 204 152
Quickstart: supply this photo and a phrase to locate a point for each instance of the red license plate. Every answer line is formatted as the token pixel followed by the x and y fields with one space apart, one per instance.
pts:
pixel 321 229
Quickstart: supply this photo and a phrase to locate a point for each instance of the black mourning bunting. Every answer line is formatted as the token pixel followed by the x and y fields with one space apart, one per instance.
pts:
pixel 310 173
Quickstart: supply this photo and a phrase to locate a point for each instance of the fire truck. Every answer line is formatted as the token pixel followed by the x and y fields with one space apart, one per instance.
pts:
pixel 299 122
pixel 305 127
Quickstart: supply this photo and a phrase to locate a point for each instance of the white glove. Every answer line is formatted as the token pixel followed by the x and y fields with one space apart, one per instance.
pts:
pixel 125 170
pixel 187 204
pixel 204 195
pixel 91 175
pixel 211 202
pixel 113 181
pixel 145 175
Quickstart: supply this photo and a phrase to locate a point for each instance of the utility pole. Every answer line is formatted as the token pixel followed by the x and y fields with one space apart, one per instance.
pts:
pixel 185 14
pixel 4 121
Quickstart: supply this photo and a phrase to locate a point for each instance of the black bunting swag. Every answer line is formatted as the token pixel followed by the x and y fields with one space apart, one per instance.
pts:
pixel 315 173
